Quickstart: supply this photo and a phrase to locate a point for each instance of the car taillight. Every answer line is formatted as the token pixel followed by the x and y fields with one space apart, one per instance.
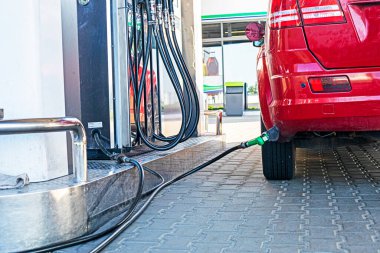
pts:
pixel 284 13
pixel 321 12
pixel 330 84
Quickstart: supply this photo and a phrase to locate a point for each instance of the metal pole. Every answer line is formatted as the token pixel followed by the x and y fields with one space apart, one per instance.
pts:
pixel 78 135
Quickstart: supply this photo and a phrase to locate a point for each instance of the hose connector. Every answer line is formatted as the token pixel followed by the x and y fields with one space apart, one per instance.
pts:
pixel 160 17
pixel 138 18
pixel 166 18
pixel 121 158
pixel 172 21
pixel 271 135
pixel 153 13
pixel 257 141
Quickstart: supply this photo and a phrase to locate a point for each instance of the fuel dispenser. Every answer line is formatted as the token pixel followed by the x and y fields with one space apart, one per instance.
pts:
pixel 122 49
pixel 95 49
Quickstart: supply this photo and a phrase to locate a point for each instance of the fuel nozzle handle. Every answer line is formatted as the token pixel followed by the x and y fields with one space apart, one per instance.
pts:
pixel 271 135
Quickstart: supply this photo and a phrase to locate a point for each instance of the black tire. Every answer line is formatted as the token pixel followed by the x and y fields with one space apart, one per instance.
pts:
pixel 278 159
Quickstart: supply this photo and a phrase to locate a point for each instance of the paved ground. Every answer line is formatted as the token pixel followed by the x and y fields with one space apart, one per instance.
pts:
pixel 333 205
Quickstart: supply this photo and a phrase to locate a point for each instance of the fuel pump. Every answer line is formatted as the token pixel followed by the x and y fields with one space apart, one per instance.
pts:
pixel 121 47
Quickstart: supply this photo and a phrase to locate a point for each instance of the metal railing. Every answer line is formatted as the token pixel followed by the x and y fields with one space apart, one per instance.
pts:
pixel 78 135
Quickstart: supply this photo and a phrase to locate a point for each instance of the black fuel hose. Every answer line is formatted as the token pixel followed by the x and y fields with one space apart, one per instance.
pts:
pixel 87 238
pixel 189 102
pixel 164 21
pixel 187 73
pixel 129 217
pixel 120 229
pixel 186 90
pixel 98 137
pixel 152 29
pixel 139 195
pixel 270 135
pixel 187 96
pixel 171 71
pixel 121 158
pixel 178 58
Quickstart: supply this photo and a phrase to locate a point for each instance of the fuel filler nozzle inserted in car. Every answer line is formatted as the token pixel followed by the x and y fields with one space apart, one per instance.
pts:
pixel 271 135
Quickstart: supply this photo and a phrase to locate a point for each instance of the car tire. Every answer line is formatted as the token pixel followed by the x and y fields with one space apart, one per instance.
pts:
pixel 278 159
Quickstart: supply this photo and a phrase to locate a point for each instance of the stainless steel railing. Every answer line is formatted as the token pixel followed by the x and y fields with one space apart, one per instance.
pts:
pixel 78 135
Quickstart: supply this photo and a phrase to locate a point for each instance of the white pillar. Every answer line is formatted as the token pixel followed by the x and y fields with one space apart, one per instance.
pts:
pixel 192 48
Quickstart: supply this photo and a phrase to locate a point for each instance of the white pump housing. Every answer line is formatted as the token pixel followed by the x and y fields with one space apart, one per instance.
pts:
pixel 32 86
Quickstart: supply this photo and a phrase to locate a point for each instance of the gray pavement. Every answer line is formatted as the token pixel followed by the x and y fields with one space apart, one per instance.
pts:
pixel 333 205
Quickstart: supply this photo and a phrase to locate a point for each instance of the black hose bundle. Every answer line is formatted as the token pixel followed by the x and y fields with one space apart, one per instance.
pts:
pixel 158 16
pixel 127 223
pixel 83 239
pixel 131 214
pixel 128 213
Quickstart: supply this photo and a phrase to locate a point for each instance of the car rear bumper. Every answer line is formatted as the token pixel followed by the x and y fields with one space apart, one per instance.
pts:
pixel 332 115
pixel 296 108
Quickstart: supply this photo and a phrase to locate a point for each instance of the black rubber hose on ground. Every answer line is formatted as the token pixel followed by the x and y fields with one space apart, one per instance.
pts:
pixel 87 238
pixel 129 217
pixel 139 195
pixel 127 223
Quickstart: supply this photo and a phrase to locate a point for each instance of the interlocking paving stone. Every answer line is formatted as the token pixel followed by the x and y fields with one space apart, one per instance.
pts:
pixel 332 205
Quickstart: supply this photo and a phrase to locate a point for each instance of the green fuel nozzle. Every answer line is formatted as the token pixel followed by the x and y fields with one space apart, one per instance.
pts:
pixel 271 135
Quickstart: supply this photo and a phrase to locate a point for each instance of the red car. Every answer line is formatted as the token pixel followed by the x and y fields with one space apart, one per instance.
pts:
pixel 318 73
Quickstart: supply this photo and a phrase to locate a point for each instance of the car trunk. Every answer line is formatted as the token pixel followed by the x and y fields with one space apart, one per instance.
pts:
pixel 353 43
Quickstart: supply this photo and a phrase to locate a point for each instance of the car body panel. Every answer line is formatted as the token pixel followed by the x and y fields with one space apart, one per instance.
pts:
pixel 264 89
pixel 352 44
pixel 287 101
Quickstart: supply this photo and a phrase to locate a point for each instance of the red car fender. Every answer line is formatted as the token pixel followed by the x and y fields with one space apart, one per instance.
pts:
pixel 265 93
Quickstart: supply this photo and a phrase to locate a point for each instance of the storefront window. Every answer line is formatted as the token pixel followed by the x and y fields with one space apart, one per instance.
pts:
pixel 223 47
pixel 211 31
pixel 234 29
pixel 213 75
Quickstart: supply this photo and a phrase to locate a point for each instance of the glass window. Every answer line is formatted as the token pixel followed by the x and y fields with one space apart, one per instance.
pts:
pixel 211 31
pixel 213 75
pixel 212 43
pixel 234 29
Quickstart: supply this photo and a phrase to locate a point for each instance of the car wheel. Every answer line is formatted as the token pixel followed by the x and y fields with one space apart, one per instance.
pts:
pixel 278 159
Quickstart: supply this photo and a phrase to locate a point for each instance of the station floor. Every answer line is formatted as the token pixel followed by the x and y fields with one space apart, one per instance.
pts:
pixel 332 205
